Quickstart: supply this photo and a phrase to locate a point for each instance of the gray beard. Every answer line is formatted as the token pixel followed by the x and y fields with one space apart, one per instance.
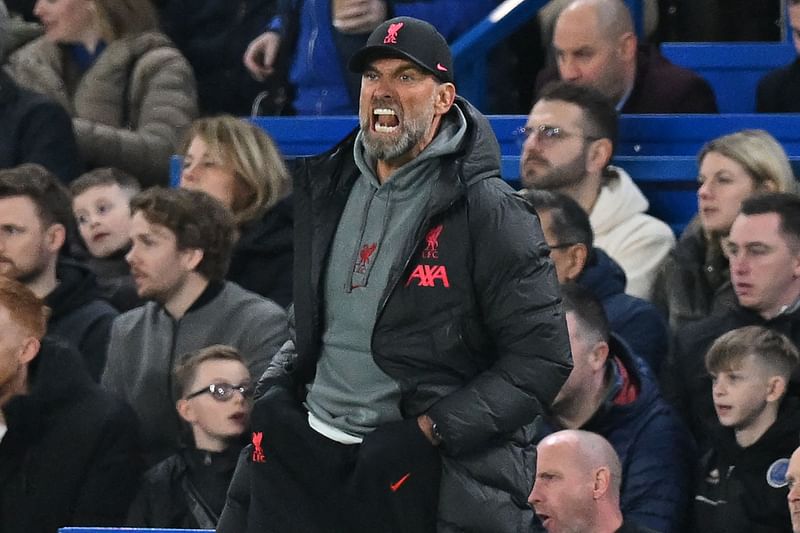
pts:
pixel 413 131
pixel 386 150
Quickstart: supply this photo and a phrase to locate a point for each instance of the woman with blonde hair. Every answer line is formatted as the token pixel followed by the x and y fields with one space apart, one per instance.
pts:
pixel 129 91
pixel 694 281
pixel 238 164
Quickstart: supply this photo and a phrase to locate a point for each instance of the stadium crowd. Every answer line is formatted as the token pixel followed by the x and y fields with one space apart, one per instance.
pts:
pixel 385 336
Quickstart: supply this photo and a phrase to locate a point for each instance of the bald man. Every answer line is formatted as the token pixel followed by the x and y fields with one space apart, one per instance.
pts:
pixel 578 479
pixel 595 44
pixel 793 480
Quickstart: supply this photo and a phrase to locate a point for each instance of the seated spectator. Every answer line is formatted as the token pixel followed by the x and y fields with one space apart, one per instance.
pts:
pixel 694 280
pixel 35 218
pixel 569 141
pixel 36 130
pixel 595 45
pixel 613 393
pixel 569 236
pixel 182 241
pixel 213 35
pixel 548 14
pixel 128 89
pixel 238 164
pixel 68 454
pixel 793 482
pixel 763 249
pixel 777 91
pixel 741 486
pixel 187 490
pixel 101 204
pixel 323 40
pixel 577 487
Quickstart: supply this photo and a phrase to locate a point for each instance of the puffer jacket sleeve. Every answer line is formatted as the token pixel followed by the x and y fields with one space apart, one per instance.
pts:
pixel 234 516
pixel 658 473
pixel 516 289
pixel 164 102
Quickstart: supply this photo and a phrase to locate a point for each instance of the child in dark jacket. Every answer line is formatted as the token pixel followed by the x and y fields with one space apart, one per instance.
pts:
pixel 742 483
pixel 187 490
pixel 101 205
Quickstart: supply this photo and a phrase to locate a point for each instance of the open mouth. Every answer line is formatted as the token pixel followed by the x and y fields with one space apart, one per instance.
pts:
pixel 723 409
pixel 100 236
pixel 544 519
pixel 385 120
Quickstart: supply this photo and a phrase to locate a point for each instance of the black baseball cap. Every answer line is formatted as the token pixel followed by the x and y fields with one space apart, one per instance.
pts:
pixel 409 38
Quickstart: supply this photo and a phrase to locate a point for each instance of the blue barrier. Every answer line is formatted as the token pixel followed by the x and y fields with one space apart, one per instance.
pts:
pixel 638 134
pixel 658 151
pixel 127 530
pixel 732 69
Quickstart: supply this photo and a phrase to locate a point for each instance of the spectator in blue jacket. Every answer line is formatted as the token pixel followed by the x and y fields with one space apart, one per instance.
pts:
pixel 569 235
pixel 613 393
pixel 322 41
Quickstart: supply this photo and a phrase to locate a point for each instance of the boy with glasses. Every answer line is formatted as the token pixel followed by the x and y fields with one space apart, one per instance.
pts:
pixel 182 242
pixel 187 490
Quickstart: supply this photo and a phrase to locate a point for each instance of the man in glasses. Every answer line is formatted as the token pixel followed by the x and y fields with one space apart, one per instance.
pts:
pixel 763 250
pixel 429 333
pixel 568 143
pixel 182 241
pixel 187 490
pixel 571 241
pixel 68 449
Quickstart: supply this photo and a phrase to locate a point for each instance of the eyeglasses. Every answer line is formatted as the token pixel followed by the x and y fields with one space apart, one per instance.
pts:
pixel 561 245
pixel 222 392
pixel 546 134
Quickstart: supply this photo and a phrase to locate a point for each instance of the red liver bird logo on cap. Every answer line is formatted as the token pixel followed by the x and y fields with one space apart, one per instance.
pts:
pixel 391 33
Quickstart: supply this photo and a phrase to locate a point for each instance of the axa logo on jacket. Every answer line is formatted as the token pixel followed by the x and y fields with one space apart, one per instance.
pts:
pixel 427 275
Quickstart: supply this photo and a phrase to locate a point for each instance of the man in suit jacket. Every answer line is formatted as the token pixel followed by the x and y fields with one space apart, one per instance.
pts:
pixel 595 44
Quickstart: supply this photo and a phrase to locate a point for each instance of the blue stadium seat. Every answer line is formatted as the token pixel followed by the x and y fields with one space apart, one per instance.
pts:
pixel 732 69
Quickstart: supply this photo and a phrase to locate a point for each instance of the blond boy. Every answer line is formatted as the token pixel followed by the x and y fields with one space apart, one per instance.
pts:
pixel 742 486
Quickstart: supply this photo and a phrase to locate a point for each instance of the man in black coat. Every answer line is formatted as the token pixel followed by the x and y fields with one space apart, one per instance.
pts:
pixel 429 333
pixel 764 254
pixel 35 215
pixel 595 44
pixel 68 450
pixel 777 91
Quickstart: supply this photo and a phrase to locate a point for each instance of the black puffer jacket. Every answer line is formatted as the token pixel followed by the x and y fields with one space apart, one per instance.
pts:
pixel 185 490
pixel 470 325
